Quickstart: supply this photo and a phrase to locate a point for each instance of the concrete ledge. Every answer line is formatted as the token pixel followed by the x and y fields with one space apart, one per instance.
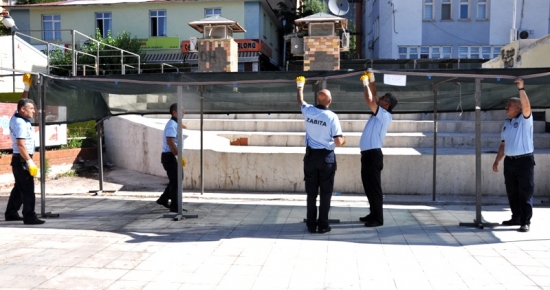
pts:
pixel 134 143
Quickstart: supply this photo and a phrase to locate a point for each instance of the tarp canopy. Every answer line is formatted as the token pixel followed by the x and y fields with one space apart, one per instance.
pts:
pixel 96 97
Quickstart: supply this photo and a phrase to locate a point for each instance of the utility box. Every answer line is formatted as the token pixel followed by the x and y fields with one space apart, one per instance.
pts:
pixel 297 46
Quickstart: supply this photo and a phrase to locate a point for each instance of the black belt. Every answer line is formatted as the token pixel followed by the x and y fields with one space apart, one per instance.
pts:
pixel 371 150
pixel 18 155
pixel 520 156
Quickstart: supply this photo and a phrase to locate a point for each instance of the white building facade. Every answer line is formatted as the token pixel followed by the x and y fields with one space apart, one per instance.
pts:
pixel 440 29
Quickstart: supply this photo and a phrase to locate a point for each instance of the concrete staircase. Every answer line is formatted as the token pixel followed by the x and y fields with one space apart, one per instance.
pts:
pixel 267 152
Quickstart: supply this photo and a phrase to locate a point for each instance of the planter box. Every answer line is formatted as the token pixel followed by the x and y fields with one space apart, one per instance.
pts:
pixel 55 157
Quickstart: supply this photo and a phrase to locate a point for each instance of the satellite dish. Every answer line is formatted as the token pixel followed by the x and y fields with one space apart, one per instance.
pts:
pixel 338 7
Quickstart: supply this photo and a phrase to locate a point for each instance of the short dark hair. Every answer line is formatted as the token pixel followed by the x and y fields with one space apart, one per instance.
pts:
pixel 23 102
pixel 173 108
pixel 392 99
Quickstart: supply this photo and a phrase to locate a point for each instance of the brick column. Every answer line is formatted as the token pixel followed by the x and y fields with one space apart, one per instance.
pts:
pixel 218 55
pixel 321 53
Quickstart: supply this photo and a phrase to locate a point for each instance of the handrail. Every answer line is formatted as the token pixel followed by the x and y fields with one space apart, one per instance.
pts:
pixel 122 51
pixel 165 64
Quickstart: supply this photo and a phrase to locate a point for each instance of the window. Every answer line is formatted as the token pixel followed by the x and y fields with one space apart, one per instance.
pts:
pixel 464 8
pixel 209 12
pixel 485 52
pixel 103 23
pixel 428 9
pixel 416 52
pixel 158 22
pixel 51 24
pixel 446 10
pixel 482 10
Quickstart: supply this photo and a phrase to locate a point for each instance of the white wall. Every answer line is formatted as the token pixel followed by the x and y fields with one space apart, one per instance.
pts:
pixel 27 58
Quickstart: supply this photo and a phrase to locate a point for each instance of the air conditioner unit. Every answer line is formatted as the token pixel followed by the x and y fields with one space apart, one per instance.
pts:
pixel 192 43
pixel 524 34
pixel 345 41
pixel 297 46
pixel 321 29
pixel 218 32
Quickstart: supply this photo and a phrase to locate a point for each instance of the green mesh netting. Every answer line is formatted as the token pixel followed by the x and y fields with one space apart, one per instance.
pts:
pixel 78 99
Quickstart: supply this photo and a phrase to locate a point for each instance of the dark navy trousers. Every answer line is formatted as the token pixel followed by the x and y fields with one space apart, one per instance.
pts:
pixel 22 193
pixel 170 164
pixel 519 177
pixel 372 163
pixel 319 171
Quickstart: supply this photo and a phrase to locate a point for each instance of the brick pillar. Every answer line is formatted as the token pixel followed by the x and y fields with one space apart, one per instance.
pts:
pixel 321 53
pixel 218 55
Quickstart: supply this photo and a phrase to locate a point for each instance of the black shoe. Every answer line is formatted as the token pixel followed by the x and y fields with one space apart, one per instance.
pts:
pixel 324 230
pixel 311 230
pixel 163 202
pixel 372 224
pixel 523 229
pixel 511 222
pixel 35 221
pixel 366 218
pixel 15 217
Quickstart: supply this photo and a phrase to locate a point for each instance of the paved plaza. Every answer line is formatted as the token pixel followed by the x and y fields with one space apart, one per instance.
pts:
pixel 259 241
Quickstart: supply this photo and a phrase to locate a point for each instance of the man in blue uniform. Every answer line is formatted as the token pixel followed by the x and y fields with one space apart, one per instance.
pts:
pixel 169 160
pixel 371 148
pixel 22 165
pixel 519 164
pixel 323 133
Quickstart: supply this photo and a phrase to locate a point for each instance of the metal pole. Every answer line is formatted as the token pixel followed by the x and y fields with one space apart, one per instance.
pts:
pixel 201 89
pixel 99 130
pixel 478 149
pixel 179 137
pixel 73 42
pixel 478 221
pixel 42 136
pixel 13 57
pixel 435 89
pixel 284 43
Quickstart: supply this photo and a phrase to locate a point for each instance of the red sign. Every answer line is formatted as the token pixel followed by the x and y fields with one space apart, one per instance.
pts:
pixel 245 45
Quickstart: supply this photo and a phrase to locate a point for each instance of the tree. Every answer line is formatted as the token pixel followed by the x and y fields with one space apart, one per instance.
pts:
pixel 314 6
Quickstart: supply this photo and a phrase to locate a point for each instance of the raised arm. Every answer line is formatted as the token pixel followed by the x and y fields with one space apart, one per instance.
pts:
pixel 300 82
pixel 369 92
pixel 525 104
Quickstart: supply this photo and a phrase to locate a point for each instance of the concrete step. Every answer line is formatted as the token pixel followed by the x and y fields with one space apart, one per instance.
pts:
pixel 297 125
pixel 412 139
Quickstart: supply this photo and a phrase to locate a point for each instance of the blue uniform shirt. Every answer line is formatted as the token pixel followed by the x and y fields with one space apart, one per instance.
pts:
pixel 170 131
pixel 517 133
pixel 21 128
pixel 322 125
pixel 375 130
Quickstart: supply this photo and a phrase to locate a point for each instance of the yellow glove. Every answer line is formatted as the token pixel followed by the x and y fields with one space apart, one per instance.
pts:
pixel 27 80
pixel 33 169
pixel 365 79
pixel 300 82
pixel 183 161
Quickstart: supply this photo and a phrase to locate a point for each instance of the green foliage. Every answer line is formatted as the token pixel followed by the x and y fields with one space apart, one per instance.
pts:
pixel 81 135
pixel 314 6
pixel 47 167
pixel 109 60
pixel 4 30
pixel 70 173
